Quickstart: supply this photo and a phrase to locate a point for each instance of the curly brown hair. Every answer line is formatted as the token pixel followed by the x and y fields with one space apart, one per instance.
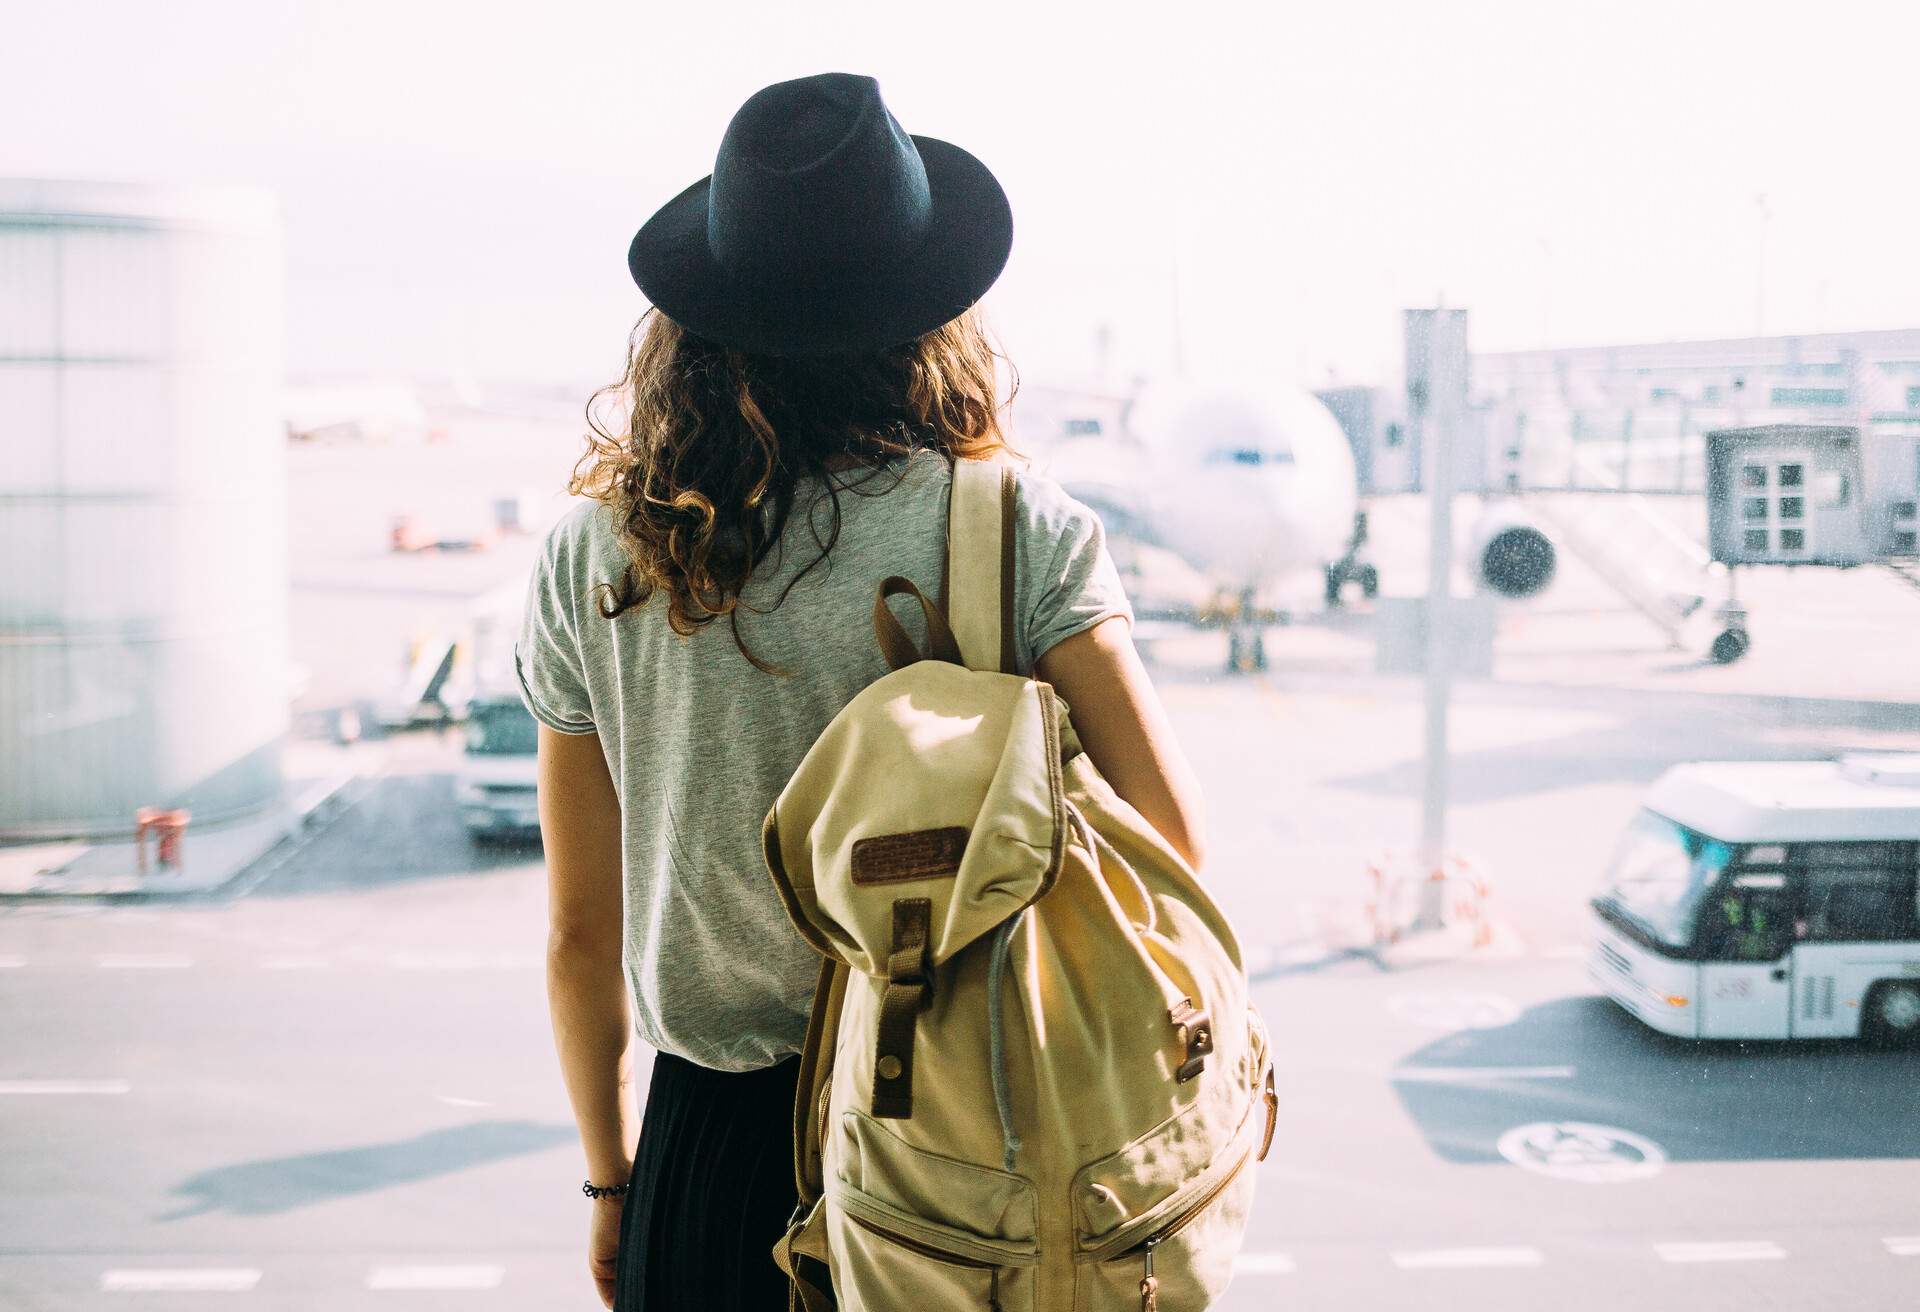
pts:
pixel 703 471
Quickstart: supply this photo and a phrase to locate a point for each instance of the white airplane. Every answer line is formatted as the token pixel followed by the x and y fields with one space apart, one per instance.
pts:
pixel 1255 492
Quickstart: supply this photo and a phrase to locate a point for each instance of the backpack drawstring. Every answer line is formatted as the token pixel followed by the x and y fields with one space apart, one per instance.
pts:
pixel 997 1033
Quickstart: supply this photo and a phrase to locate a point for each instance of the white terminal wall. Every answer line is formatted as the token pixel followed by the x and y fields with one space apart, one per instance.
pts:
pixel 143 527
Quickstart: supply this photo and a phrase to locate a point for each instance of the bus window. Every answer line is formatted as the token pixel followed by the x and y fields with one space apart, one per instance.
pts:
pixel 1856 892
pixel 1751 919
pixel 1660 872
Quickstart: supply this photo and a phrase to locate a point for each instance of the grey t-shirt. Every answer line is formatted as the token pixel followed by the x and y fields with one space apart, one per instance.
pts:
pixel 700 743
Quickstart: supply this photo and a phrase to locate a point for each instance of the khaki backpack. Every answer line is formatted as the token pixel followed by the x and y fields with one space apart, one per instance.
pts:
pixel 1033 1081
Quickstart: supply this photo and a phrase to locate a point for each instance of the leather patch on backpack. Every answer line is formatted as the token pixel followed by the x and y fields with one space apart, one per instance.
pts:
pixel 923 854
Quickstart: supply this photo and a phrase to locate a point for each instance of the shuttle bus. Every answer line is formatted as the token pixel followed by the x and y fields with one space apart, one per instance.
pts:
pixel 1769 900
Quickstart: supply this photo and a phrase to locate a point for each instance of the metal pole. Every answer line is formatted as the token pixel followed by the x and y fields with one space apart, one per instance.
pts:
pixel 1438 400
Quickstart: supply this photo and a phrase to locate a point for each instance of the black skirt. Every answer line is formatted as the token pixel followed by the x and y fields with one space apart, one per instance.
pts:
pixel 712 1191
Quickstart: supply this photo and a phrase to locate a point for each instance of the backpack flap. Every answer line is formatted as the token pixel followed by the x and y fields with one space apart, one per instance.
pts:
pixel 929 811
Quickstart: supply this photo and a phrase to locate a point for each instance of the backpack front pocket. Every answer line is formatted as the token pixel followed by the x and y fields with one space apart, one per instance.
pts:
pixel 884 1262
pixel 1187 1259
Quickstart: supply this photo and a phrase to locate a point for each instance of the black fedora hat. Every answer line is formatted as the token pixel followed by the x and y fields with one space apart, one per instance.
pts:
pixel 823 228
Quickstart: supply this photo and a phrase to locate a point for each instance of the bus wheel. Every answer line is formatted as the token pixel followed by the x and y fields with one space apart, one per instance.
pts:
pixel 1893 1014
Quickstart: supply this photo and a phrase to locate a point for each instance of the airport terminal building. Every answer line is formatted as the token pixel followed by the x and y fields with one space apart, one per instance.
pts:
pixel 1635 416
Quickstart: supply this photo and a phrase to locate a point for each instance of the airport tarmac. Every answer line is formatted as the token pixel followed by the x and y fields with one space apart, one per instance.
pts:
pixel 334 1085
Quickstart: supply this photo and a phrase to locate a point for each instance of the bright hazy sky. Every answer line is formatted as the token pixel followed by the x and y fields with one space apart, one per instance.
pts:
pixel 460 180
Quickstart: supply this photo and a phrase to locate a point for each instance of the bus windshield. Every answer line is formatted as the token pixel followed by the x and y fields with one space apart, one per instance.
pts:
pixel 1659 874
pixel 501 729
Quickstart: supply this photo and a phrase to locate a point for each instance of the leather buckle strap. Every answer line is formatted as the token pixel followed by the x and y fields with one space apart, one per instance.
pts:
pixel 1195 1031
pixel 909 990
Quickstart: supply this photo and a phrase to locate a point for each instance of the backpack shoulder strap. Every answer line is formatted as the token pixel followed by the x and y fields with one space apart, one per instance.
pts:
pixel 979 565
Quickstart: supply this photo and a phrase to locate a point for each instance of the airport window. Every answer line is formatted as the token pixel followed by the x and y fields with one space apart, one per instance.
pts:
pixel 1752 476
pixel 1904 542
pixel 1756 539
pixel 1393 435
pixel 1793 539
pixel 1903 509
pixel 1754 508
pixel 1083 427
pixel 1913 398
pixel 1790 475
pixel 1788 396
pixel 1790 507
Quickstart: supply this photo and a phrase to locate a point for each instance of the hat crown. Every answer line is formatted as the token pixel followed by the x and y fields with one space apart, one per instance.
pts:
pixel 813 176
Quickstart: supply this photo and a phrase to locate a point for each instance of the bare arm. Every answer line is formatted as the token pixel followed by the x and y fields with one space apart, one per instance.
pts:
pixel 1124 728
pixel 586 985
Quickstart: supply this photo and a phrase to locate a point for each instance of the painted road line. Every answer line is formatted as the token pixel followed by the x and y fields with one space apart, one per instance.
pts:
pixel 1263 1264
pixel 435 1277
pixel 1480 1074
pixel 64 1086
pixel 294 963
pixel 1738 1250
pixel 186 1279
pixel 464 961
pixel 1461 1258
pixel 1903 1245
pixel 137 961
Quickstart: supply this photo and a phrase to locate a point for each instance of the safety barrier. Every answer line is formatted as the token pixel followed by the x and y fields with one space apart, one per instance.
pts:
pixel 1399 884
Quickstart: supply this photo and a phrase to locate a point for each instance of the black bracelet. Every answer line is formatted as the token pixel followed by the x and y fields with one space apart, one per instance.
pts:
pixel 591 1190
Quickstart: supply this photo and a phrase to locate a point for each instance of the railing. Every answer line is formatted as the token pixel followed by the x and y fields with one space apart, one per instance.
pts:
pixel 1634 549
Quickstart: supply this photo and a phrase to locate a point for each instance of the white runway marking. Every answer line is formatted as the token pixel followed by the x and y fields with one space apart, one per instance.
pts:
pixel 1737 1250
pixel 294 963
pixel 1459 1258
pixel 1577 1151
pixel 1263 1264
pixel 198 1280
pixel 1454 1009
pixel 64 1086
pixel 12 963
pixel 1477 1074
pixel 452 1101
pixel 464 961
pixel 138 961
pixel 435 1277
pixel 1903 1245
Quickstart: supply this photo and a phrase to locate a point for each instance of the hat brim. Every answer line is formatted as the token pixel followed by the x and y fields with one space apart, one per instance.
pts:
pixel 969 235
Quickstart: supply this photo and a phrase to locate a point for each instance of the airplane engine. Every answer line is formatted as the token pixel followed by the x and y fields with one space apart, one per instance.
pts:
pixel 1508 553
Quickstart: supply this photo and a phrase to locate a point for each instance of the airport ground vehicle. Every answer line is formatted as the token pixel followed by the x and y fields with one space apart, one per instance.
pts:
pixel 1769 900
pixel 497 770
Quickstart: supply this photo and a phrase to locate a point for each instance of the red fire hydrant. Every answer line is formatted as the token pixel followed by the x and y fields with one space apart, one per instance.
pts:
pixel 168 826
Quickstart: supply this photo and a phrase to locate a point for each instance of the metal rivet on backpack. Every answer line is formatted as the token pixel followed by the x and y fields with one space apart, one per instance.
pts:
pixel 888 1067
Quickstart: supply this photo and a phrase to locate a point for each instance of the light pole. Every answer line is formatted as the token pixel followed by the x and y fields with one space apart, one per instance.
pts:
pixel 1436 403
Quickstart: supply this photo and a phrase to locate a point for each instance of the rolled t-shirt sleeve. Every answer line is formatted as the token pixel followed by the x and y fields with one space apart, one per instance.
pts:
pixel 546 652
pixel 1070 580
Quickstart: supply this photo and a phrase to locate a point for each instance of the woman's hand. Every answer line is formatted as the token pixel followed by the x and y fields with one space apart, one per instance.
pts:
pixel 603 1243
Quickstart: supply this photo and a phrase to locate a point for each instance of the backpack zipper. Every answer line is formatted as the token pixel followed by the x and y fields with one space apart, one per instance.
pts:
pixel 928 1251
pixel 1143 1249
